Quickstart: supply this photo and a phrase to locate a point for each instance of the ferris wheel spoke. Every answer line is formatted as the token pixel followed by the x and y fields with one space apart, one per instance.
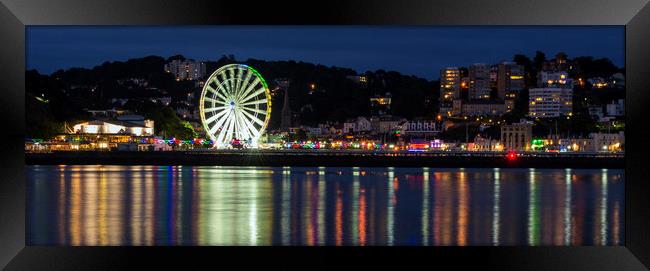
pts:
pixel 230 129
pixel 242 132
pixel 255 110
pixel 215 116
pixel 248 89
pixel 223 78
pixel 257 92
pixel 238 81
pixel 244 84
pixel 216 101
pixel 216 92
pixel 262 101
pixel 231 79
pixel 212 109
pixel 253 131
pixel 222 88
pixel 222 134
pixel 218 120
pixel 253 118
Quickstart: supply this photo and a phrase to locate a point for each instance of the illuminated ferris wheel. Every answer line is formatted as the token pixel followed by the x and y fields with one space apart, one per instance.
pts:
pixel 235 106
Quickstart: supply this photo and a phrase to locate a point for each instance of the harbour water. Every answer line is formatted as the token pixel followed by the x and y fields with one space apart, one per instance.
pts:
pixel 209 205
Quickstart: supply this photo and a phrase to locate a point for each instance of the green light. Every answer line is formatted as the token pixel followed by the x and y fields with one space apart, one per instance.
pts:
pixel 258 75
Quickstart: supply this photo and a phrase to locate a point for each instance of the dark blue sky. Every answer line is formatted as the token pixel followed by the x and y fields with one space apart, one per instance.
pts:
pixel 420 51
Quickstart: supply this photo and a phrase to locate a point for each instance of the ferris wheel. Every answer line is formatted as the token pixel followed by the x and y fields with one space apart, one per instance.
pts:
pixel 235 106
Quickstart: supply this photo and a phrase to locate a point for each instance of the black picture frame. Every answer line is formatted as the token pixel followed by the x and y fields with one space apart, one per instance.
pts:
pixel 16 14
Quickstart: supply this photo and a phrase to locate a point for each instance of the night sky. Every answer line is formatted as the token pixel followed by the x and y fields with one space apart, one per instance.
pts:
pixel 420 51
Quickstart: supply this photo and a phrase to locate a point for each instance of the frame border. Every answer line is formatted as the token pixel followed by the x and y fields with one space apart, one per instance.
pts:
pixel 634 14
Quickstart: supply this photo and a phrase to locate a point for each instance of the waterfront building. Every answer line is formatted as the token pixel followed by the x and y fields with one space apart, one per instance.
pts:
pixel 357 125
pixel 517 136
pixel 484 144
pixel 422 128
pixel 385 123
pixel 145 128
pixel 313 131
pixel 550 102
pixel 479 81
pixel 611 142
pixel 596 142
pixel 186 69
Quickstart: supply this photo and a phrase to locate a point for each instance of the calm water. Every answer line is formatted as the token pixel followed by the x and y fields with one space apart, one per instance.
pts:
pixel 195 205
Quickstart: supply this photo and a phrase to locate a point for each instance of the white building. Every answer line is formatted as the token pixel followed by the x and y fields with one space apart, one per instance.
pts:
pixel 385 123
pixel 479 81
pixel 356 125
pixel 596 111
pixel 313 131
pixel 449 84
pixel 616 108
pixel 608 142
pixel 550 102
pixel 517 136
pixel 557 79
pixel 422 127
pixel 114 127
pixel 186 69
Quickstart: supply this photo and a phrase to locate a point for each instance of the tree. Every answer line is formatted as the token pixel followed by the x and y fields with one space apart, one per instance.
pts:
pixel 531 75
pixel 168 124
pixel 590 67
pixel 300 135
pixel 539 59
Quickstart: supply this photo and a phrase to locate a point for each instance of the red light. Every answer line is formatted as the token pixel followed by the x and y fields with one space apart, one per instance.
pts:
pixel 511 155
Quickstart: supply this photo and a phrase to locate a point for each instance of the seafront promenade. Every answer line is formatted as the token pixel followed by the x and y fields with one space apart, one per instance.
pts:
pixel 329 158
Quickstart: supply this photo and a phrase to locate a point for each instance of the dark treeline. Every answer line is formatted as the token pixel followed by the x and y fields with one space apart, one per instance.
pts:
pixel 334 98
pixel 64 95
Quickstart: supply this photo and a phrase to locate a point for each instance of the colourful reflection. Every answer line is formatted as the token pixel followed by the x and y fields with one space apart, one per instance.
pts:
pixel 496 209
pixel 169 205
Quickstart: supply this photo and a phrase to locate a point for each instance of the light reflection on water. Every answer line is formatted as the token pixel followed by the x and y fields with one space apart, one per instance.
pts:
pixel 195 205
